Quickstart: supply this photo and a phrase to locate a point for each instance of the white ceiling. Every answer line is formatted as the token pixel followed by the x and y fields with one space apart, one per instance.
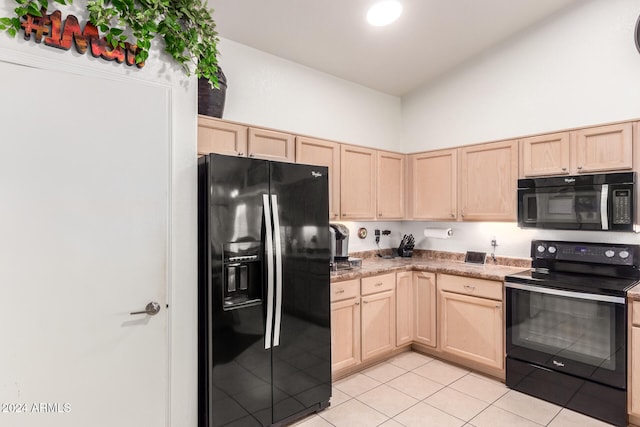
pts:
pixel 430 37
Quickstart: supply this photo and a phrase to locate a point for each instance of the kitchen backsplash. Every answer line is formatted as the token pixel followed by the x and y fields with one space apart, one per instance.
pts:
pixel 472 236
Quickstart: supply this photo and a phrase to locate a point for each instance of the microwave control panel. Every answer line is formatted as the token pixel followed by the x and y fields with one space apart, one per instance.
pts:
pixel 622 202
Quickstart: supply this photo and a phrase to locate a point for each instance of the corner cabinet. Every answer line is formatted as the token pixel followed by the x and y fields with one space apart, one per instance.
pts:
pixel 390 188
pixel 488 181
pixel 358 183
pixel 425 319
pixel 433 185
pixel 405 310
pixel 323 153
pixel 471 319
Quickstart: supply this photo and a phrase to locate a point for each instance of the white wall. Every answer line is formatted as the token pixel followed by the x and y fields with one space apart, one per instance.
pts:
pixel 579 68
pixel 266 90
pixel 182 297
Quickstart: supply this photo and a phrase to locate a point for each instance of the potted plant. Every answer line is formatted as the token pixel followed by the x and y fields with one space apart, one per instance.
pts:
pixel 185 26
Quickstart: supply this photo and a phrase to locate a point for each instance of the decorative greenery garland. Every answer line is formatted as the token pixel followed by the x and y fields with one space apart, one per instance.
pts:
pixel 186 26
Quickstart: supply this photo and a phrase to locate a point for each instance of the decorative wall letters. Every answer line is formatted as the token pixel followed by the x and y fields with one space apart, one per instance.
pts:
pixel 62 35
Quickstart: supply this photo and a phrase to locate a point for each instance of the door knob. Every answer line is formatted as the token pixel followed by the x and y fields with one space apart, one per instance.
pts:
pixel 151 309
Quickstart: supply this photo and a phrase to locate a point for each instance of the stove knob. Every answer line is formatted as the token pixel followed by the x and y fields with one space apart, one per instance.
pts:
pixel 541 248
pixel 552 249
pixel 624 254
pixel 609 253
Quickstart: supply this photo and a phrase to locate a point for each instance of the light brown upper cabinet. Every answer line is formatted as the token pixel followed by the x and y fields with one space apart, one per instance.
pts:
pixel 488 181
pixel 433 185
pixel 217 136
pixel 604 148
pixel 323 153
pixel 545 155
pixel 597 149
pixel 271 145
pixel 357 183
pixel 390 187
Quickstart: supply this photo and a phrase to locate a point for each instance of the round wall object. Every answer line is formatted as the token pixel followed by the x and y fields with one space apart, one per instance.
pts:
pixel 362 232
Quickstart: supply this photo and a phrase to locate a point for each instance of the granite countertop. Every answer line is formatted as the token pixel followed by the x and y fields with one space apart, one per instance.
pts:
pixel 436 263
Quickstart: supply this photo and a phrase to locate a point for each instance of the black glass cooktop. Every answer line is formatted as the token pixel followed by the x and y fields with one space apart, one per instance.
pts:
pixel 587 283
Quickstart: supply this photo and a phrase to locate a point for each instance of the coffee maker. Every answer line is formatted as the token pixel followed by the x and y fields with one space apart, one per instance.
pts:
pixel 339 243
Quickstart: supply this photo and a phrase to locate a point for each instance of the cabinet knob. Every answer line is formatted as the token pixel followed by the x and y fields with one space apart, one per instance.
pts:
pixel 251 155
pixel 357 302
pixel 340 291
pixel 378 284
pixel 579 167
pixel 379 213
pixel 240 153
pixel 453 215
pixel 469 287
pixel 564 169
pixel 335 215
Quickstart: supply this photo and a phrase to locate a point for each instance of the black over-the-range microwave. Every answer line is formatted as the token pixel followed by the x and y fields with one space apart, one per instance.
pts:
pixel 604 202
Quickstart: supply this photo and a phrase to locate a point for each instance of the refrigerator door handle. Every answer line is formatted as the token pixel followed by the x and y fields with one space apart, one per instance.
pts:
pixel 269 249
pixel 278 246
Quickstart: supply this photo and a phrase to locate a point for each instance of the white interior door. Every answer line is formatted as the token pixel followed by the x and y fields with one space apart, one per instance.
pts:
pixel 84 205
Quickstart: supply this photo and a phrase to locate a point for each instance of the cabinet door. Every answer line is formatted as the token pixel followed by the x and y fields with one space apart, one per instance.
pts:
pixel 217 136
pixel 604 148
pixel 634 388
pixel 433 187
pixel 357 182
pixel 271 145
pixel 378 324
pixel 425 308
pixel 488 187
pixel 471 327
pixel 345 333
pixel 545 155
pixel 323 153
pixel 405 308
pixel 390 185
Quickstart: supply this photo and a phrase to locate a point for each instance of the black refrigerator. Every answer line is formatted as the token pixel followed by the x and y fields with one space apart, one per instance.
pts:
pixel 263 299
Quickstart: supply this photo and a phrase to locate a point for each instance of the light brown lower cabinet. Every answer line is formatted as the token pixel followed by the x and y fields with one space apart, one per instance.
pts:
pixel 405 308
pixel 471 325
pixel 633 406
pixel 345 324
pixel 378 315
pixel 425 319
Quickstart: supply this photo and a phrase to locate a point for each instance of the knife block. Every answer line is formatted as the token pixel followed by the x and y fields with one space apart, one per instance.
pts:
pixel 405 252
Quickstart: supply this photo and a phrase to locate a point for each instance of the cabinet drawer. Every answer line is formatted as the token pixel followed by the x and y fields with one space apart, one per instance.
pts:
pixel 470 286
pixel 345 290
pixel 636 313
pixel 374 284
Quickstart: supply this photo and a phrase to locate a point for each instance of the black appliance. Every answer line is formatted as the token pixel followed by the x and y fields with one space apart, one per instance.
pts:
pixel 566 326
pixel 582 202
pixel 264 293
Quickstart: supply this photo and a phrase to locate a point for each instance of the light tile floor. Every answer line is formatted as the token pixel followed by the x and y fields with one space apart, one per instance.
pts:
pixel 416 390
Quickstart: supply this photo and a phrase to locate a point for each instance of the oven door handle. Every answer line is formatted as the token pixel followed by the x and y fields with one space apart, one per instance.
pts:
pixel 563 293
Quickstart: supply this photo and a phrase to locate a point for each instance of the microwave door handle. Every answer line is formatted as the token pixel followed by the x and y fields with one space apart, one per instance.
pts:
pixel 604 203
pixel 269 250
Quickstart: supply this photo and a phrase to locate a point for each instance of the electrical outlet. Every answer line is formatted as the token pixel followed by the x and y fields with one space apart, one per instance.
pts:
pixel 494 242
pixel 377 232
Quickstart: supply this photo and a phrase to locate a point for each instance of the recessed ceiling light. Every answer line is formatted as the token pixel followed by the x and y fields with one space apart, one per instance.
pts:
pixel 384 12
